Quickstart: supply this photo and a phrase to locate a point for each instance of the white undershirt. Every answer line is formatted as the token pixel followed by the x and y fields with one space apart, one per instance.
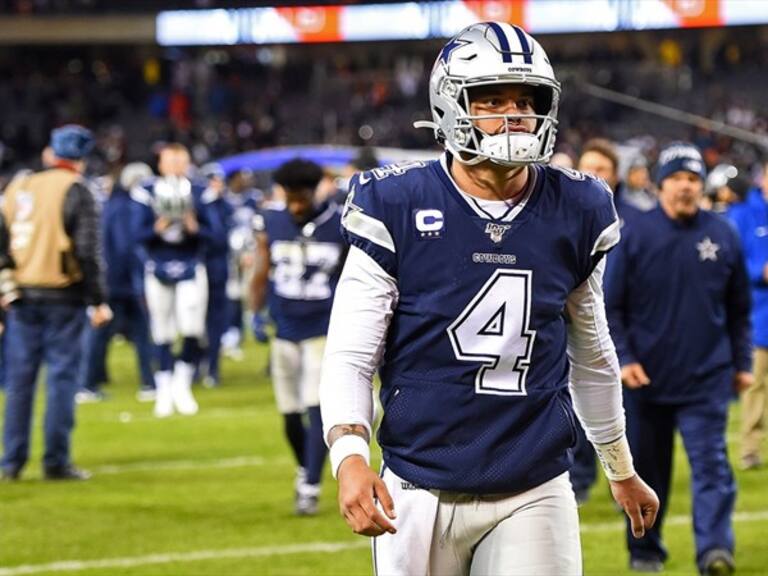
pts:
pixel 505 210
pixel 365 301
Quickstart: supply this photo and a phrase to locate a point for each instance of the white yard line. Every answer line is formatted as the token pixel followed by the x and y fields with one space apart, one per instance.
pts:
pixel 284 550
pixel 134 561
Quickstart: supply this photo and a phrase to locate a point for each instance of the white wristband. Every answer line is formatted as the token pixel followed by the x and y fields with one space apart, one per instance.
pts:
pixel 616 459
pixel 348 445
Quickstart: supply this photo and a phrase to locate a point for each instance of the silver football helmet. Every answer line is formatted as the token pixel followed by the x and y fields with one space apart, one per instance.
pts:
pixel 484 54
pixel 173 197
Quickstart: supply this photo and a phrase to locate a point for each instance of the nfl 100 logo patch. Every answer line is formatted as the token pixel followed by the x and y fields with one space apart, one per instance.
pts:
pixel 496 231
pixel 430 224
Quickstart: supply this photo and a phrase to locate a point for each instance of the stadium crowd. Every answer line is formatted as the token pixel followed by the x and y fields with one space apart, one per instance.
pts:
pixel 222 101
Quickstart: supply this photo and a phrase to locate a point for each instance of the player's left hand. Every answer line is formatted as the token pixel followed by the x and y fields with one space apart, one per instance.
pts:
pixel 359 488
pixel 639 501
pixel 742 381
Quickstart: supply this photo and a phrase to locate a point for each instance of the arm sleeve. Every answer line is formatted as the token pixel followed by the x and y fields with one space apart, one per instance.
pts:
pixel 81 222
pixel 739 307
pixel 362 309
pixel 595 381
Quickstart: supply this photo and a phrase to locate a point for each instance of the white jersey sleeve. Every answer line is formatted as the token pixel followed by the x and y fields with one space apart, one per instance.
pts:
pixel 595 381
pixel 363 306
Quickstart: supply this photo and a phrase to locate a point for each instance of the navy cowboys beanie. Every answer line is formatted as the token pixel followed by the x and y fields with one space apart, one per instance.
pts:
pixel 72 142
pixel 679 156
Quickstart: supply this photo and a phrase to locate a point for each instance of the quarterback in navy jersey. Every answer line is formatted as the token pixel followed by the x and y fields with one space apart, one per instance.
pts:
pixel 172 222
pixel 300 252
pixel 459 277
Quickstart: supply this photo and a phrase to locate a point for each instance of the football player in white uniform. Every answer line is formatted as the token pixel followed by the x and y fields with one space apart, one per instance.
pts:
pixel 171 223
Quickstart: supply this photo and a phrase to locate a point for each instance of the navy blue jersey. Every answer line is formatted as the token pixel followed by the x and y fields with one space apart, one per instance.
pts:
pixel 475 374
pixel 244 208
pixel 216 251
pixel 677 298
pixel 305 264
pixel 173 255
pixel 120 258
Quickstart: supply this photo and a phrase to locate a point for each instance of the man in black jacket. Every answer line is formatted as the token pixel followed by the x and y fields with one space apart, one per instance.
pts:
pixel 50 271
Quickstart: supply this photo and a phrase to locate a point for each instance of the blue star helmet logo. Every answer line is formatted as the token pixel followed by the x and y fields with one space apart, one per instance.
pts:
pixel 445 53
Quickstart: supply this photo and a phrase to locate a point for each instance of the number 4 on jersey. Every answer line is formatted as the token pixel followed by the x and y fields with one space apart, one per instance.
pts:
pixel 494 329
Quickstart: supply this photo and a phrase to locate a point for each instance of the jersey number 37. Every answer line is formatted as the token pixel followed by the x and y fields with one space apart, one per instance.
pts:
pixel 494 330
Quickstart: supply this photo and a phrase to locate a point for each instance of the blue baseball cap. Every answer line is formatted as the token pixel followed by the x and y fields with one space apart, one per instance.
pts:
pixel 680 156
pixel 72 142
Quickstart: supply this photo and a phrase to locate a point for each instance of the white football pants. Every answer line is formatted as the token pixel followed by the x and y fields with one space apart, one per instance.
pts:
pixel 177 308
pixel 531 533
pixel 296 373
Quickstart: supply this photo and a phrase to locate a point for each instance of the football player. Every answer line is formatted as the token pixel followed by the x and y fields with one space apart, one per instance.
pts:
pixel 216 265
pixel 244 201
pixel 172 222
pixel 300 252
pixel 459 277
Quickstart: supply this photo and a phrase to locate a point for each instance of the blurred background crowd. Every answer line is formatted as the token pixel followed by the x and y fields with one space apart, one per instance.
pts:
pixel 223 100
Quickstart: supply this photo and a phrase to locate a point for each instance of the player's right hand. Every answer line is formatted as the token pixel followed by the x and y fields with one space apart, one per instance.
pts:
pixel 639 502
pixel 359 488
pixel 633 376
pixel 100 315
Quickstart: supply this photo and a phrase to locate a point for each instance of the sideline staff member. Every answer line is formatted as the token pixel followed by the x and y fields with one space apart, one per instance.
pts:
pixel 50 265
pixel 677 299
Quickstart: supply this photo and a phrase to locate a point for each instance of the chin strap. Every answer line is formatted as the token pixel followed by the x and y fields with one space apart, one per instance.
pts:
pixel 426 124
pixel 439 135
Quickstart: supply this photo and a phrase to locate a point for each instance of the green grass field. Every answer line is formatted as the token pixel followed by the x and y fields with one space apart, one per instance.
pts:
pixel 213 494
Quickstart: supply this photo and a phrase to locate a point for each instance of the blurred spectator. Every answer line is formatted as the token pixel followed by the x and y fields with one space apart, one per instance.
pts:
pixel 638 189
pixel 125 293
pixel 244 201
pixel 751 219
pixel 561 159
pixel 725 188
pixel 217 269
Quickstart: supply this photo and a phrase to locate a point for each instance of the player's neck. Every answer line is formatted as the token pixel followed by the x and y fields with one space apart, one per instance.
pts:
pixel 490 182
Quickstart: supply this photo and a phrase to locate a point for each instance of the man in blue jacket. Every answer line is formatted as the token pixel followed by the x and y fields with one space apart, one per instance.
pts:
pixel 678 309
pixel 125 293
pixel 751 219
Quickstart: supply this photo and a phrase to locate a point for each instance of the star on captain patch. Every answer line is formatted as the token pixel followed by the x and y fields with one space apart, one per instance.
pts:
pixel 707 250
